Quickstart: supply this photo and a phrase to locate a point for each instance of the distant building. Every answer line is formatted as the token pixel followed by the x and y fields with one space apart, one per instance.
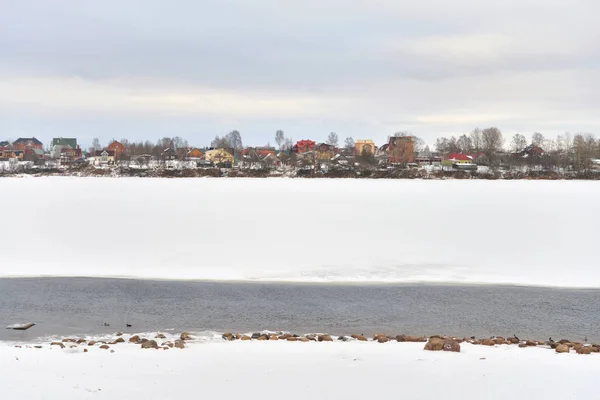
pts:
pixel 460 161
pixel 324 152
pixel 260 151
pixel 303 146
pixel 219 157
pixel 401 150
pixel 104 156
pixel 27 143
pixel 168 154
pixel 530 151
pixel 7 154
pixel 459 158
pixel 368 146
pixel 194 154
pixel 72 142
pixel 118 148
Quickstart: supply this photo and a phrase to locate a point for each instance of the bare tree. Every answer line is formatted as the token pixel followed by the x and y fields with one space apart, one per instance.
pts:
pixel 476 139
pixel 235 140
pixel 447 146
pixel 279 138
pixel 288 143
pixel 537 139
pixel 518 143
pixel 464 144
pixel 349 143
pixel 584 146
pixel 332 139
pixel 220 142
pixel 418 145
pixel 96 144
pixel 492 142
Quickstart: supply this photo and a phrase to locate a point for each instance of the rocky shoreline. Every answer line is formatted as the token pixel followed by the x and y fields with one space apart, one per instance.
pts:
pixel 160 341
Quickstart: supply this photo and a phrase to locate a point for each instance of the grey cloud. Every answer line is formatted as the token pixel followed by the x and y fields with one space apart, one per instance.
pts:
pixel 386 57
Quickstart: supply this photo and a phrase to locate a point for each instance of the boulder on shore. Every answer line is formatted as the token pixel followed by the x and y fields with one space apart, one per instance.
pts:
pixel 324 338
pixel 434 344
pixel 562 348
pixel 382 339
pixel 160 336
pixel 179 344
pixel 584 350
pixel 488 342
pixel 59 344
pixel 185 336
pixel 246 337
pixel 228 336
pixel 414 339
pixel 451 345
pixel 134 339
pixel 150 344
pixel 105 347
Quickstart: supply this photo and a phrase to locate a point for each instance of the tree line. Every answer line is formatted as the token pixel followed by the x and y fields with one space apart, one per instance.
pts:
pixel 566 150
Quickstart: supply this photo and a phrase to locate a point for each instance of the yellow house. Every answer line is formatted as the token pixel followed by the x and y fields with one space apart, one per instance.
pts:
pixel 219 156
pixel 324 152
pixel 367 145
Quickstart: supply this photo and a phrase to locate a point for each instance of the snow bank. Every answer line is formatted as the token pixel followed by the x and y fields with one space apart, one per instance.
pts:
pixel 263 370
pixel 518 232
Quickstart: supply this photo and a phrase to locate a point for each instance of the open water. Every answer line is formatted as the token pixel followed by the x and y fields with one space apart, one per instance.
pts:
pixel 78 306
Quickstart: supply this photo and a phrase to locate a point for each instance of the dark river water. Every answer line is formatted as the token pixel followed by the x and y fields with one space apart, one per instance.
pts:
pixel 77 306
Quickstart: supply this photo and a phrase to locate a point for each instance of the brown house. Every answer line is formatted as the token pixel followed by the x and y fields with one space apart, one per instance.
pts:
pixel 194 154
pixel 27 143
pixel 118 148
pixel 401 150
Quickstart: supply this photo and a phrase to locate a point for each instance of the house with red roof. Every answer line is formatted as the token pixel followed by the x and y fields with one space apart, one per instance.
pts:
pixel 303 146
pixel 459 161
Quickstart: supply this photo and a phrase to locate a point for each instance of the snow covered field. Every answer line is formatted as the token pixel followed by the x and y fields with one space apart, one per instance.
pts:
pixel 264 370
pixel 521 232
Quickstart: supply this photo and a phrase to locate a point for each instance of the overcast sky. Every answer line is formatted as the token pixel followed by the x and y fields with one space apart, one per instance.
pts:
pixel 196 68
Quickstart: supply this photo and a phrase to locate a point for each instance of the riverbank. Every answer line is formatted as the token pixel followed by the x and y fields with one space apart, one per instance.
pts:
pixel 295 370
pixel 427 173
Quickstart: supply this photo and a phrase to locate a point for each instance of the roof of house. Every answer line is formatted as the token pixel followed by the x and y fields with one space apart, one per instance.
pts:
pixel 65 142
pixel 195 149
pixel 477 154
pixel 32 139
pixel 4 143
pixel 108 152
pixel 459 157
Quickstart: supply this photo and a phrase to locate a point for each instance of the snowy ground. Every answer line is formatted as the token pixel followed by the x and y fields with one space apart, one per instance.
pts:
pixel 521 232
pixel 265 370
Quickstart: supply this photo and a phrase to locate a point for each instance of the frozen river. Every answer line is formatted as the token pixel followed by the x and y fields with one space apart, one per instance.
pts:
pixel 516 232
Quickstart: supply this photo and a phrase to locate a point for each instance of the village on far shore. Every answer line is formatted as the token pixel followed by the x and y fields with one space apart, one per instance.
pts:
pixel 403 155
